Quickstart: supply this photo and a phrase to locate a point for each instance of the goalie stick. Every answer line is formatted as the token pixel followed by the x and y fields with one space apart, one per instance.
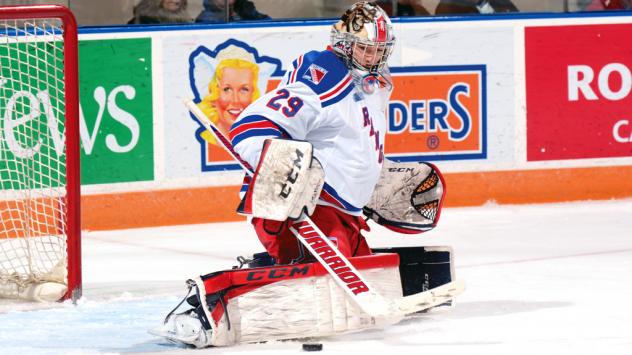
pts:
pixel 336 264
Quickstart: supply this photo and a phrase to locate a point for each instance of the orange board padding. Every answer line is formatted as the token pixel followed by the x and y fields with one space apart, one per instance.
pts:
pixel 218 204
pixel 538 186
pixel 160 208
pixel 34 218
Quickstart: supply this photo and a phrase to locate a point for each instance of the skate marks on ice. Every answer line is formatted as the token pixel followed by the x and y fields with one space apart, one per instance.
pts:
pixel 117 325
pixel 496 308
pixel 539 280
pixel 551 257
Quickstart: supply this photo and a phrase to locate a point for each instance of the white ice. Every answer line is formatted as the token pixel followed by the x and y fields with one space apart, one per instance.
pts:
pixel 541 279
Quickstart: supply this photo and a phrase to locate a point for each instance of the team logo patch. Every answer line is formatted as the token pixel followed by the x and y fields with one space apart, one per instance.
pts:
pixel 315 74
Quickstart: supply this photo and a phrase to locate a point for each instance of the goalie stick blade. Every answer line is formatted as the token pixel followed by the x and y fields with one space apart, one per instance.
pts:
pixel 425 300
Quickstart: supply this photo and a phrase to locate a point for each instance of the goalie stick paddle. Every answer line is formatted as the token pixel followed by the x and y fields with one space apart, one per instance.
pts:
pixel 336 264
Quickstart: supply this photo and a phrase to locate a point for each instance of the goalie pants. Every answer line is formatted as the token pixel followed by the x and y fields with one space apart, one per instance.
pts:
pixel 342 229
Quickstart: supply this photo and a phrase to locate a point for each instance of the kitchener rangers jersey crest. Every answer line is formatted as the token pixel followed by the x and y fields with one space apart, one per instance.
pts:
pixel 315 73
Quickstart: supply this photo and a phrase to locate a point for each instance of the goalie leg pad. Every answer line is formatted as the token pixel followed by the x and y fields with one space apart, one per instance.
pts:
pixel 284 302
pixel 423 268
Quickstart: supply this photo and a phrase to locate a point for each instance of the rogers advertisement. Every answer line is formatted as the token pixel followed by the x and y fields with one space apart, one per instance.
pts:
pixel 579 99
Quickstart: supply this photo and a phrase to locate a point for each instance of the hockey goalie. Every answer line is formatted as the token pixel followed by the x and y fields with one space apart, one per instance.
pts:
pixel 313 150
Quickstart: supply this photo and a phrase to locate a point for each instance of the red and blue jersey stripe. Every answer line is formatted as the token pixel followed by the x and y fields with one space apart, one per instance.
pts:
pixel 255 126
pixel 330 196
pixel 297 65
pixel 337 93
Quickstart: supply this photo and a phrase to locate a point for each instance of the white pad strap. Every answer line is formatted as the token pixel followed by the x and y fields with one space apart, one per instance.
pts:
pixel 287 182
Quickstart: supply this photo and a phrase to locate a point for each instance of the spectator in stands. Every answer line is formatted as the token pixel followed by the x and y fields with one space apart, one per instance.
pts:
pixel 450 7
pixel 411 8
pixel 160 11
pixel 215 11
pixel 597 5
pixel 404 8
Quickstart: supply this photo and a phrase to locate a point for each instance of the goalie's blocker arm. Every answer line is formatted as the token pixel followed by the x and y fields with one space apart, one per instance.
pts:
pixel 287 182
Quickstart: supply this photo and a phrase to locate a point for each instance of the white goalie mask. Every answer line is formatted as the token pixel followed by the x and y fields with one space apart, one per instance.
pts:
pixel 364 37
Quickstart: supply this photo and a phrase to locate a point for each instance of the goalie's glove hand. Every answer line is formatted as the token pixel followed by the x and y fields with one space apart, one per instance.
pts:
pixel 407 197
pixel 287 182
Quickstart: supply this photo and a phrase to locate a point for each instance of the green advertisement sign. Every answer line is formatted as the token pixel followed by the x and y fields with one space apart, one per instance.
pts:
pixel 31 115
pixel 116 111
pixel 116 117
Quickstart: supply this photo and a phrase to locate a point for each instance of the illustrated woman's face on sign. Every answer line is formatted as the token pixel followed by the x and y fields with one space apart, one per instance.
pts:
pixel 236 91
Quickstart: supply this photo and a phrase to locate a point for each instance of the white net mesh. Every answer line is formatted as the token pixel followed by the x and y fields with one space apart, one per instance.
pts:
pixel 32 154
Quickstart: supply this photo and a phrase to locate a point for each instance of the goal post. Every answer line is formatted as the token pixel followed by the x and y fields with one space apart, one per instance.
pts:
pixel 40 228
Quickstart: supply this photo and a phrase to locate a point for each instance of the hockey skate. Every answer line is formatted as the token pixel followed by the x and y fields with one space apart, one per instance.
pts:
pixel 184 328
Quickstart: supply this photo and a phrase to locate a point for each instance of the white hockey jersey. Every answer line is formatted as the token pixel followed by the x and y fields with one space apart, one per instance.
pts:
pixel 319 102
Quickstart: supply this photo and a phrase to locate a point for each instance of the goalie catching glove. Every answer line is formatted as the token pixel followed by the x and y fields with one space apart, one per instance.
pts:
pixel 407 197
pixel 286 183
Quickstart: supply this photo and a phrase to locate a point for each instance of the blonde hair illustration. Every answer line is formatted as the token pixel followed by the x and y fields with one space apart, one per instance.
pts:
pixel 232 57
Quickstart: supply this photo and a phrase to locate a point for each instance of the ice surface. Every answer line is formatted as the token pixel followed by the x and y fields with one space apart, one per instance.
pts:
pixel 541 279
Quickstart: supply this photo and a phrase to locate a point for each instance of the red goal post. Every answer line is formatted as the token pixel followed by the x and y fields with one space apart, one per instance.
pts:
pixel 40 228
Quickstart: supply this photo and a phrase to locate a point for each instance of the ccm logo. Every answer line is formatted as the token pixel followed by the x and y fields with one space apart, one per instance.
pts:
pixel 286 189
pixel 277 273
pixel 400 170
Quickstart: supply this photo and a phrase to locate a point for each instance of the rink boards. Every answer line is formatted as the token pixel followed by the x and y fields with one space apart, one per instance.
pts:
pixel 533 108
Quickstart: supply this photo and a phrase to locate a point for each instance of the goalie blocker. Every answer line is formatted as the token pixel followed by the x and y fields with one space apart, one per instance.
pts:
pixel 264 302
pixel 287 182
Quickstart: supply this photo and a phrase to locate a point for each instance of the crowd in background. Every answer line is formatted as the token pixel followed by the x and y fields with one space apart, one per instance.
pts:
pixel 220 11
pixel 175 11
pixel 116 12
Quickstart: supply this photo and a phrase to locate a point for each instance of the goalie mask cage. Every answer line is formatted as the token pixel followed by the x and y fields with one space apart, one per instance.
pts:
pixel 39 154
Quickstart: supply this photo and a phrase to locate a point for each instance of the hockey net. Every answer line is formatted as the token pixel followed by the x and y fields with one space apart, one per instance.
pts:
pixel 39 162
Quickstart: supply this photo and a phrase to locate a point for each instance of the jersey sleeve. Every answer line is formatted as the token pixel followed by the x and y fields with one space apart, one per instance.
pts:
pixel 294 109
pixel 288 112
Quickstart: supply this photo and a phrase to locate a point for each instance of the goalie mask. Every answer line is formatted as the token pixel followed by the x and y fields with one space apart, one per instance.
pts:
pixel 363 37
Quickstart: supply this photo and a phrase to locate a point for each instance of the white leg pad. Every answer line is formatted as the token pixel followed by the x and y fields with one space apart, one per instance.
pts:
pixel 300 308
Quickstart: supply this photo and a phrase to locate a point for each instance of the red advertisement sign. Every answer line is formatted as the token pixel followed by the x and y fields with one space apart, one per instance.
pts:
pixel 579 99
